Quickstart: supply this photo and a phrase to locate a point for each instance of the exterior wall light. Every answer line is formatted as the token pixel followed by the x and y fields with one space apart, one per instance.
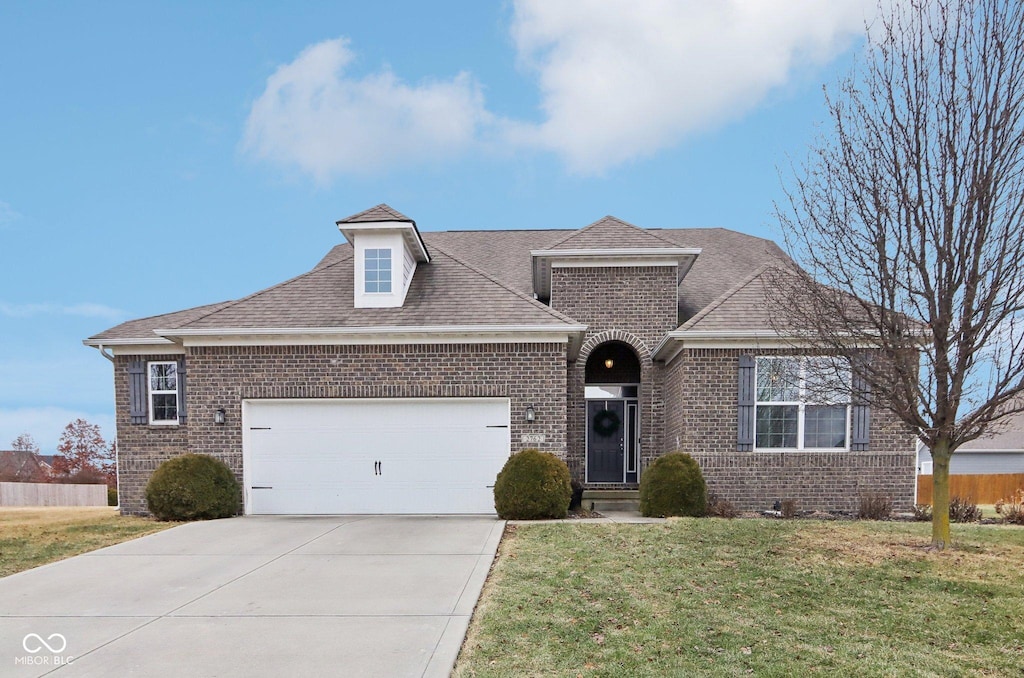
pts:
pixel 609 363
pixel 531 415
pixel 219 416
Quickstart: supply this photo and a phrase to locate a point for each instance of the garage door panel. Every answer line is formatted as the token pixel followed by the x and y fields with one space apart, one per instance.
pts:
pixel 435 455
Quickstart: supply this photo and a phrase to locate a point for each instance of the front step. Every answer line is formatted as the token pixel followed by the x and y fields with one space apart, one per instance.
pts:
pixel 611 500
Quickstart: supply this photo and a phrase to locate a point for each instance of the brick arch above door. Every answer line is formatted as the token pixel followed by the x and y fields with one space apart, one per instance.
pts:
pixel 635 342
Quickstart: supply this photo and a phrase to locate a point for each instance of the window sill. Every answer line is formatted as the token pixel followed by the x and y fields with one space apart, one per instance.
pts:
pixel 792 450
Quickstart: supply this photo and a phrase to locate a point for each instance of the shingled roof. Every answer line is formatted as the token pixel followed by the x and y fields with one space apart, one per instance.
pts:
pixel 142 328
pixel 381 212
pixel 611 233
pixel 323 298
pixel 479 277
pixel 727 257
pixel 1007 435
pixel 741 308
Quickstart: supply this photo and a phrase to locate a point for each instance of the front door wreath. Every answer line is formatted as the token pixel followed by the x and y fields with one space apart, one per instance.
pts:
pixel 606 423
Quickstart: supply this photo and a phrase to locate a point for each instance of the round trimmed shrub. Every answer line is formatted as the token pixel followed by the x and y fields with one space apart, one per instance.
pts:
pixel 533 485
pixel 673 486
pixel 193 487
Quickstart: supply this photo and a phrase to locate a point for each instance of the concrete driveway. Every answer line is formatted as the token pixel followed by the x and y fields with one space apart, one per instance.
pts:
pixel 255 596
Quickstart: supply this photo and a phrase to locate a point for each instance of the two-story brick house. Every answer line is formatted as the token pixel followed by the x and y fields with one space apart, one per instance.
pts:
pixel 399 374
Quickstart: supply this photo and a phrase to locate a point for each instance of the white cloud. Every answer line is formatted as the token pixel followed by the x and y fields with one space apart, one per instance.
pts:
pixel 45 424
pixel 622 79
pixel 7 215
pixel 313 115
pixel 84 310
pixel 618 79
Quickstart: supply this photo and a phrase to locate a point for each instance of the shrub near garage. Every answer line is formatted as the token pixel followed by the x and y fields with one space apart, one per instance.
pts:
pixel 673 486
pixel 533 485
pixel 193 487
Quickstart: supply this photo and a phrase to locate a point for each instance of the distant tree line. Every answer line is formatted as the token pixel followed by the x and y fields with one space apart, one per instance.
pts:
pixel 83 456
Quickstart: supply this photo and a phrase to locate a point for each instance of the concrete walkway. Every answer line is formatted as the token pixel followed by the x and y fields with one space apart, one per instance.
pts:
pixel 255 596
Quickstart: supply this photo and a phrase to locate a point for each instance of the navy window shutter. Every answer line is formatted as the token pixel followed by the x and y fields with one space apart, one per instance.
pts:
pixel 860 427
pixel 137 410
pixel 745 420
pixel 182 410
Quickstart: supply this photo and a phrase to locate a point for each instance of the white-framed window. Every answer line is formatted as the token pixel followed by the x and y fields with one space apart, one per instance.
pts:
pixel 802 403
pixel 163 392
pixel 377 270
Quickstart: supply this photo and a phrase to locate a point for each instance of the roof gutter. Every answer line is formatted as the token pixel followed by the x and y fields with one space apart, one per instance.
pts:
pixel 381 329
pixel 676 340
pixel 572 332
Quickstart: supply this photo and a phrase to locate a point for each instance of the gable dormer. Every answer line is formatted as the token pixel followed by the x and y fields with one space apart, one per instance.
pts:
pixel 609 243
pixel 387 248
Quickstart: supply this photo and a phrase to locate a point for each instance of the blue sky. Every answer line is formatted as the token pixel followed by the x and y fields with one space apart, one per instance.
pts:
pixel 156 156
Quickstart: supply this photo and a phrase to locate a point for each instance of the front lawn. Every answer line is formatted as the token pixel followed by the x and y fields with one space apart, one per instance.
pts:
pixel 762 597
pixel 33 536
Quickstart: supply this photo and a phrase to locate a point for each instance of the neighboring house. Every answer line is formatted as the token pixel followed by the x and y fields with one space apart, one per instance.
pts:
pixel 1001 452
pixel 399 374
pixel 21 466
pixel 46 461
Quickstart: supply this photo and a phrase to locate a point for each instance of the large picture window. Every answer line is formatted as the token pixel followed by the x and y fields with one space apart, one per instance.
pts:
pixel 377 269
pixel 802 403
pixel 163 392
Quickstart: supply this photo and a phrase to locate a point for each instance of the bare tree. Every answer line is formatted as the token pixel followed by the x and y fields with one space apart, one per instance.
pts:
pixel 907 219
pixel 25 443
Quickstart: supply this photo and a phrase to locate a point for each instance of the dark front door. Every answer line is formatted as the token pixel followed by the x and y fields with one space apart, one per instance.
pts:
pixel 606 437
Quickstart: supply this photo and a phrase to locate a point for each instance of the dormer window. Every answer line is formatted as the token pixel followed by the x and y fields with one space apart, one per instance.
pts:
pixel 387 248
pixel 377 267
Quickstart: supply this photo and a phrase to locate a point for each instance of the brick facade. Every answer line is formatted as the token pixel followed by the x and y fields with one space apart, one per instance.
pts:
pixel 701 391
pixel 140 447
pixel 689 403
pixel 222 377
pixel 636 305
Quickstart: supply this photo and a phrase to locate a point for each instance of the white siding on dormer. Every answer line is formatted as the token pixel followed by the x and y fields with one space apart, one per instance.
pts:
pixel 409 269
pixel 403 268
pixel 369 240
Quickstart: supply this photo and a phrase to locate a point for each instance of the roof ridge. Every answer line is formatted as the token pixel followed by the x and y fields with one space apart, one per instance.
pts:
pixel 315 269
pixel 534 302
pixel 609 217
pixel 728 294
pixel 580 230
pixel 382 207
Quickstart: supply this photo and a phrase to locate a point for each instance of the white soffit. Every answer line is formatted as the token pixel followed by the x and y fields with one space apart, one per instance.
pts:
pixel 469 334
pixel 410 234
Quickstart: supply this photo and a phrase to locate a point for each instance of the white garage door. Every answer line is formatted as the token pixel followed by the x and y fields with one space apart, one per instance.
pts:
pixel 424 455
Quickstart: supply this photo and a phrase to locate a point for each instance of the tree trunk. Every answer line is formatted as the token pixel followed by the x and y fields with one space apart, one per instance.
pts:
pixel 940 495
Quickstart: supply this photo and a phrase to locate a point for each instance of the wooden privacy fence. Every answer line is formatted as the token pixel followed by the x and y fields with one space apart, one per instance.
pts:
pixel 986 488
pixel 52 494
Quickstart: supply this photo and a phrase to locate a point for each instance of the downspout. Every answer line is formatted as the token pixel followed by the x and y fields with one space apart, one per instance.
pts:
pixel 103 352
pixel 117 453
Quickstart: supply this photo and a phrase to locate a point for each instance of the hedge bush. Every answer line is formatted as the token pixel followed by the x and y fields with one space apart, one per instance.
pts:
pixel 673 486
pixel 533 485
pixel 193 487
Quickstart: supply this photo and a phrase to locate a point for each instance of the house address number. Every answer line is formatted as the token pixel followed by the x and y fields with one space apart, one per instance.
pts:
pixel 533 438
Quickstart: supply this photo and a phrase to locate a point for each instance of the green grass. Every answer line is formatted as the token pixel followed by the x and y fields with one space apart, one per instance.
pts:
pixel 736 597
pixel 30 537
